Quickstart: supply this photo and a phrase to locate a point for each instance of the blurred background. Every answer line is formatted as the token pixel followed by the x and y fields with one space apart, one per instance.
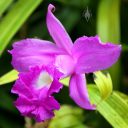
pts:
pixel 21 19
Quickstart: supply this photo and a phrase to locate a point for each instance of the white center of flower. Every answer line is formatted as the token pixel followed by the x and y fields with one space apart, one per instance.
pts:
pixel 44 79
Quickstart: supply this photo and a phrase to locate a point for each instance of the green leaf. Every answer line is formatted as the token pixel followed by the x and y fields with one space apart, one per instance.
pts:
pixel 114 109
pixel 109 17
pixel 108 28
pixel 65 81
pixel 67 117
pixel 104 83
pixel 14 20
pixel 4 4
pixel 9 77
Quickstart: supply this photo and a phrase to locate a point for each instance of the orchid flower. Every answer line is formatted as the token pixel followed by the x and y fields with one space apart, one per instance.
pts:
pixel 35 89
pixel 85 55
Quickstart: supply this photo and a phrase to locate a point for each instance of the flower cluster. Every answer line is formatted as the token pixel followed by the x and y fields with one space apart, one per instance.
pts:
pixel 41 64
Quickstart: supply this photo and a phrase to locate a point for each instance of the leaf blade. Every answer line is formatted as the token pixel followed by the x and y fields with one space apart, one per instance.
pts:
pixel 20 12
pixel 4 4
pixel 114 109
pixel 9 77
pixel 108 16
pixel 104 83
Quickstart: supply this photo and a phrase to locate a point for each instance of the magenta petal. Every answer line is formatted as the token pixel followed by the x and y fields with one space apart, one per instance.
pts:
pixel 52 104
pixel 41 114
pixel 24 84
pixel 27 82
pixel 92 55
pixel 24 105
pixel 21 89
pixel 35 89
pixel 31 52
pixel 38 110
pixel 57 31
pixel 55 87
pixel 79 93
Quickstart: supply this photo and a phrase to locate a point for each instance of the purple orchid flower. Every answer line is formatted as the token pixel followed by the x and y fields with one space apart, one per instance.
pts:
pixel 86 55
pixel 35 89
